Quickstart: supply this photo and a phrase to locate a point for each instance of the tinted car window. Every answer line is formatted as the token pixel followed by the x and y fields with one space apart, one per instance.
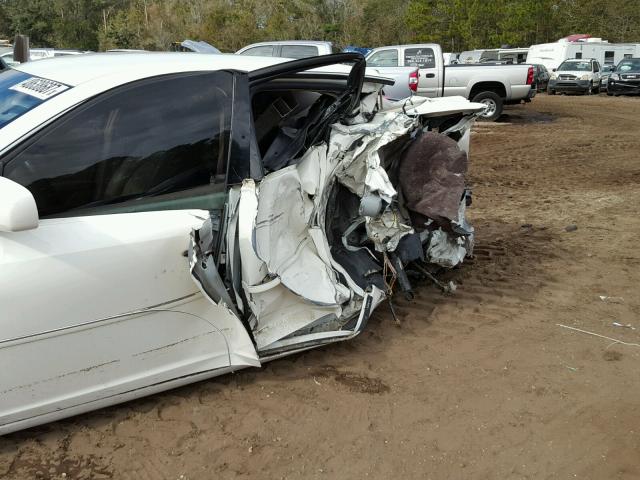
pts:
pixel 384 58
pixel 153 137
pixel 298 51
pixel 419 57
pixel 632 65
pixel 260 51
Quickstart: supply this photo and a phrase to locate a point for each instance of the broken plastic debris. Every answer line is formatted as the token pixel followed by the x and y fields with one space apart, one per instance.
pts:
pixel 628 325
pixel 607 299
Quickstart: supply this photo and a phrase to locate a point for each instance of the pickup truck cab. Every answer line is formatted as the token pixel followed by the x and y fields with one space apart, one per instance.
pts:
pixel 294 49
pixel 493 85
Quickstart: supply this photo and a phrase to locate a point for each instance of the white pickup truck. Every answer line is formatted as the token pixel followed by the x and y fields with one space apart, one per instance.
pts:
pixel 420 68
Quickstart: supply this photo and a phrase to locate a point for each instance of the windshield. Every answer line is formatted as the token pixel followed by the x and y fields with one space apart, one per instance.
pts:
pixel 21 92
pixel 575 67
pixel 631 65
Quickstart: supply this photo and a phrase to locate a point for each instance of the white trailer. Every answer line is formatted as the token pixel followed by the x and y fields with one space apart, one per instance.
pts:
pixel 513 55
pixel 551 55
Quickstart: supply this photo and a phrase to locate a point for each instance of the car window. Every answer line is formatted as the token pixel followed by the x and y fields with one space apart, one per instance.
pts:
pixel 596 67
pixel 419 57
pixel 575 66
pixel 631 65
pixel 21 92
pixel 259 51
pixel 155 137
pixel 384 58
pixel 298 51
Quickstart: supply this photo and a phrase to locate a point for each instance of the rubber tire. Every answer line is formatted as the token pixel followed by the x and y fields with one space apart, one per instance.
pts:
pixel 496 99
pixel 596 90
pixel 609 94
pixel 589 90
pixel 550 92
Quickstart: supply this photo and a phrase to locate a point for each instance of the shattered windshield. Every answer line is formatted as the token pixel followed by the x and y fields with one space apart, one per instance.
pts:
pixel 21 92
pixel 632 65
pixel 575 67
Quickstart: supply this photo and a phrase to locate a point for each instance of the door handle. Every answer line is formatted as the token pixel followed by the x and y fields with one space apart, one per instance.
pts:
pixel 430 75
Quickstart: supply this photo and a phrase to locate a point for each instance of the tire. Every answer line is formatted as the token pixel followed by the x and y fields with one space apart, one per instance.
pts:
pixel 589 90
pixel 550 92
pixel 494 105
pixel 596 90
pixel 610 94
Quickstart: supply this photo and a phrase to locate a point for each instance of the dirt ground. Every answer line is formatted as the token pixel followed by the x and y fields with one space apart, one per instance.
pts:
pixel 484 384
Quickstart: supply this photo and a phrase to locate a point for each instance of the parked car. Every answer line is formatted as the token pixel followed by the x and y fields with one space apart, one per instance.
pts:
pixel 288 49
pixel 625 79
pixel 541 77
pixel 167 218
pixel 493 85
pixel 605 73
pixel 575 76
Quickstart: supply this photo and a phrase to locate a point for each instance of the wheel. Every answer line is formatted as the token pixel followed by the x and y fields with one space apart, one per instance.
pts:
pixel 550 92
pixel 610 94
pixel 589 90
pixel 596 90
pixel 493 105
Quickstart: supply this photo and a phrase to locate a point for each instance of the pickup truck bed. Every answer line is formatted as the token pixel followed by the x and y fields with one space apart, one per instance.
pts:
pixel 493 85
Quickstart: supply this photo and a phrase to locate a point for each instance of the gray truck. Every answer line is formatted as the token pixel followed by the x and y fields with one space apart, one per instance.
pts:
pixel 420 69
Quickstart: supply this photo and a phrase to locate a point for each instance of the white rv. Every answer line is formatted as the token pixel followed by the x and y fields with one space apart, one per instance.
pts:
pixel 489 55
pixel 551 55
pixel 513 55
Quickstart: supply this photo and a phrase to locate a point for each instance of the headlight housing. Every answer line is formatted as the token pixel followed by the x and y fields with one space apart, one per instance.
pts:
pixel 584 77
pixel 614 76
pixel 553 76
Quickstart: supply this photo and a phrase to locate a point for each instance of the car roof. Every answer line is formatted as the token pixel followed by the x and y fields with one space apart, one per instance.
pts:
pixel 290 42
pixel 74 70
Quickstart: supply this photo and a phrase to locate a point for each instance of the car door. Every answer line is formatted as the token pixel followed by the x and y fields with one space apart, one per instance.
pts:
pixel 98 301
pixel 288 281
pixel 385 57
pixel 424 58
pixel 596 73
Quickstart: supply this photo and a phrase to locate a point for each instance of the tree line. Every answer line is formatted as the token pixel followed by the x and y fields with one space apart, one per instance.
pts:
pixel 230 24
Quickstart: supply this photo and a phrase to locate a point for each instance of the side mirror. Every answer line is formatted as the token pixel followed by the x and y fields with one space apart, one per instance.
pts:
pixel 553 69
pixel 19 211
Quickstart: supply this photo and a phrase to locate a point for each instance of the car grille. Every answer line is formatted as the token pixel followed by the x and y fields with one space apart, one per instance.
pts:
pixel 630 77
pixel 630 83
pixel 566 84
pixel 567 77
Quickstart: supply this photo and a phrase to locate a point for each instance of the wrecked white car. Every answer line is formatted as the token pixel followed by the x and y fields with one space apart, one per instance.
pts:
pixel 166 218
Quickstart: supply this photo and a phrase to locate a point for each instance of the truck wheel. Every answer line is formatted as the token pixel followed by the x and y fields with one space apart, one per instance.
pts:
pixel 609 94
pixel 596 90
pixel 493 105
pixel 550 92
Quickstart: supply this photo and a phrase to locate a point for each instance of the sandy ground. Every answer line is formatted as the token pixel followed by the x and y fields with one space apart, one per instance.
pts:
pixel 483 384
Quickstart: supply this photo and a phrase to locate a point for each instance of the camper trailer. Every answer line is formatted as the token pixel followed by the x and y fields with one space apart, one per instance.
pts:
pixel 551 55
pixel 494 55
pixel 479 56
pixel 513 55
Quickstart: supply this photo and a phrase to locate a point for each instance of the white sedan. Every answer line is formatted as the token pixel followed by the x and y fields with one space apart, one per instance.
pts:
pixel 166 218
